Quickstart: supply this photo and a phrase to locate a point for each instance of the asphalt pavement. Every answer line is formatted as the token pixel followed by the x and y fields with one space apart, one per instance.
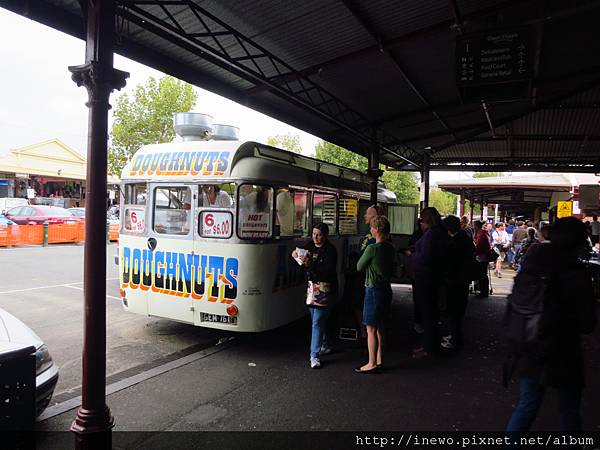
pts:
pixel 166 376
pixel 43 287
pixel 262 382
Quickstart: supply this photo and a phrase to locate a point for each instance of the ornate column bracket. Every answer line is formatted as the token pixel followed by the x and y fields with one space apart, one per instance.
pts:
pixel 98 79
pixel 374 173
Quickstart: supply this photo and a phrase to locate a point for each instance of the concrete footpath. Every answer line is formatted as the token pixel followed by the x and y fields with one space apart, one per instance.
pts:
pixel 262 382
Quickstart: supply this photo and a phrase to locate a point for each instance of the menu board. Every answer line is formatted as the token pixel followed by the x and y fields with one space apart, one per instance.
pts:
pixel 498 56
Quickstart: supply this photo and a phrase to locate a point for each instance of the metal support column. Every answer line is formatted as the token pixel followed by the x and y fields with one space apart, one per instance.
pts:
pixel 374 172
pixel 461 204
pixel 424 190
pixel 482 209
pixel 471 206
pixel 93 424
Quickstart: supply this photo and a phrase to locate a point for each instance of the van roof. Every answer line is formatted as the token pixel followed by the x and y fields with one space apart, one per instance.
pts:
pixel 212 160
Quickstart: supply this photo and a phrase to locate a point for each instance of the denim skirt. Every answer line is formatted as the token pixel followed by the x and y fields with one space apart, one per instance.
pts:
pixel 377 305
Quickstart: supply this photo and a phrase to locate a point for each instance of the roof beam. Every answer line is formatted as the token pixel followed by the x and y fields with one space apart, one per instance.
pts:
pixel 459 25
pixel 539 38
pixel 362 19
pixel 557 99
pixel 537 137
pixel 399 40
pixel 327 106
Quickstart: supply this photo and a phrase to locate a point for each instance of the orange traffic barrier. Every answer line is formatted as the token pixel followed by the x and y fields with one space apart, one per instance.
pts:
pixel 113 232
pixel 57 233
pixel 81 231
pixel 63 232
pixel 31 235
pixel 9 235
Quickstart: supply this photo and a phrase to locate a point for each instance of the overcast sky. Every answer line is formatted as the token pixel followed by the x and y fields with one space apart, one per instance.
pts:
pixel 40 102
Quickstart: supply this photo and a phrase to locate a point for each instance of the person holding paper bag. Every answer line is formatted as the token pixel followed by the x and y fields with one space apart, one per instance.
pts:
pixel 321 267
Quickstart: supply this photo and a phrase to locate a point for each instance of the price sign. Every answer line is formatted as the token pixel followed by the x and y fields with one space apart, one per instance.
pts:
pixel 255 225
pixel 135 220
pixel 216 224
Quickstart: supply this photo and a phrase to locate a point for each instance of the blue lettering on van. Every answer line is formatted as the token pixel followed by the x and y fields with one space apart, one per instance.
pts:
pixel 203 277
pixel 211 163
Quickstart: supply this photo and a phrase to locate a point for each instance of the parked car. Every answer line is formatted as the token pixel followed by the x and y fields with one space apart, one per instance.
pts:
pixel 7 203
pixel 4 221
pixel 77 212
pixel 13 331
pixel 38 214
pixel 80 213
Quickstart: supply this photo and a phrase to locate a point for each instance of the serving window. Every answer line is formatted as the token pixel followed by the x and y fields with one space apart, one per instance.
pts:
pixel 216 195
pixel 255 211
pixel 172 210
pixel 290 209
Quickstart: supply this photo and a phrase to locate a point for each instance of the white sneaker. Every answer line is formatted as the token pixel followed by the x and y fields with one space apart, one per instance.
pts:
pixel 325 351
pixel 447 344
pixel 447 338
pixel 315 363
pixel 419 328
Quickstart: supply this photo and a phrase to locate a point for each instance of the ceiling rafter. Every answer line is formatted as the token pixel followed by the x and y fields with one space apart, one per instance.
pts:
pixel 501 122
pixel 372 30
pixel 328 107
pixel 399 40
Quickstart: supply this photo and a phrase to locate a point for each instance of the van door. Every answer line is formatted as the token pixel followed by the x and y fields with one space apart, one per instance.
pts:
pixel 215 276
pixel 170 243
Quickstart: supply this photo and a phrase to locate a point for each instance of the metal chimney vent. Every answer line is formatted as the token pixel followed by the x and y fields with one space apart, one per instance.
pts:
pixel 193 126
pixel 225 132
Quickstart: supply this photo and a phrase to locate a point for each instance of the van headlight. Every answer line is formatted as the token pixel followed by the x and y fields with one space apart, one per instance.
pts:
pixel 43 360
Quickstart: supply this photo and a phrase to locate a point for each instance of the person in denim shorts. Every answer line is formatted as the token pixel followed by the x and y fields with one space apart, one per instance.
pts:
pixel 378 262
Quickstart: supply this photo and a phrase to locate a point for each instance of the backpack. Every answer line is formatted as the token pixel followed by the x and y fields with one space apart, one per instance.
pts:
pixel 531 312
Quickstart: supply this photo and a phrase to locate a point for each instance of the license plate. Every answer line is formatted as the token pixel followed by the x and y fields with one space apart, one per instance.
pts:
pixel 215 318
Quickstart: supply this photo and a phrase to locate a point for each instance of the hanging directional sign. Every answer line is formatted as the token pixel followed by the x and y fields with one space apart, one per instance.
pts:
pixel 564 209
pixel 497 56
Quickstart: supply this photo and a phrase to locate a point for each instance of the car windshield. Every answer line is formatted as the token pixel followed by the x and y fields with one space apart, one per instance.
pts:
pixel 54 211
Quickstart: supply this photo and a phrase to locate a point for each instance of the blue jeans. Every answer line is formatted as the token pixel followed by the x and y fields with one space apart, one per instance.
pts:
pixel 510 256
pixel 531 394
pixel 318 339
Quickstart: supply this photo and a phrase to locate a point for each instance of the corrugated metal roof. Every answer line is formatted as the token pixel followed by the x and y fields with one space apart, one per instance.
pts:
pixel 352 69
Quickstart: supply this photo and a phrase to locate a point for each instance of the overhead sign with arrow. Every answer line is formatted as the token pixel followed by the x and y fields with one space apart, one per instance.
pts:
pixel 497 56
pixel 494 65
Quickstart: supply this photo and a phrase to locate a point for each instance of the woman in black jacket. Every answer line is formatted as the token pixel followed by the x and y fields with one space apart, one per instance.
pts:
pixel 321 267
pixel 568 312
pixel 458 273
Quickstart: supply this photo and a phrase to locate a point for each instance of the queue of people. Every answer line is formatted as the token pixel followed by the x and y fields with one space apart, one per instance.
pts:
pixel 548 259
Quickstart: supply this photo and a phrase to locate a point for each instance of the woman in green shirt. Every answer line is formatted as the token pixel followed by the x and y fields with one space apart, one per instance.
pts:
pixel 378 262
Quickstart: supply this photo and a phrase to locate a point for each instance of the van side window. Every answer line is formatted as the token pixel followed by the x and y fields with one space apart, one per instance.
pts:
pixel 290 212
pixel 172 210
pixel 136 194
pixel 134 214
pixel 348 215
pixel 255 211
pixel 324 210
pixel 216 195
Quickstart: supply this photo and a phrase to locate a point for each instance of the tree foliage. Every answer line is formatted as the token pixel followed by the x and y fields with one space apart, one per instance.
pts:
pixel 146 117
pixel 403 184
pixel 288 141
pixel 486 174
pixel 444 202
